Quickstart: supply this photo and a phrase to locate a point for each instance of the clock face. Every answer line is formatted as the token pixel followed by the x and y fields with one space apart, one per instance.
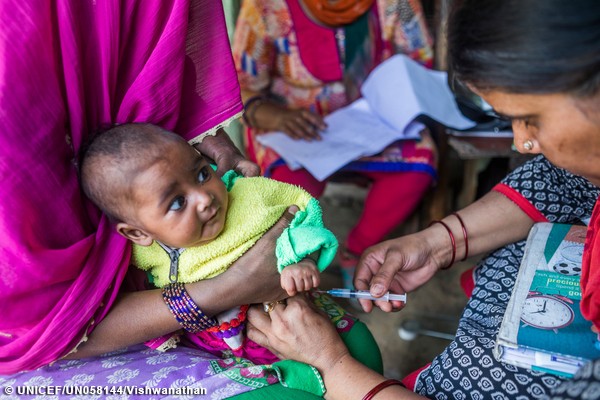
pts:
pixel 546 312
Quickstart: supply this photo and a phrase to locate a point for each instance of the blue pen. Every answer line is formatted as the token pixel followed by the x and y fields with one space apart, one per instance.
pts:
pixel 363 294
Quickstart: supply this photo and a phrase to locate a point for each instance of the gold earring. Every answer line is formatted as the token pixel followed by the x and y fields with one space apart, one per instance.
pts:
pixel 528 145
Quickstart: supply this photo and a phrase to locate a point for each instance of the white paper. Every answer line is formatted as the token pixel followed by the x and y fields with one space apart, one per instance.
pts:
pixel 353 132
pixel 396 92
pixel 400 89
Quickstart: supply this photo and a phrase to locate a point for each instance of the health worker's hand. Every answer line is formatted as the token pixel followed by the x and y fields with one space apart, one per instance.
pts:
pixel 399 266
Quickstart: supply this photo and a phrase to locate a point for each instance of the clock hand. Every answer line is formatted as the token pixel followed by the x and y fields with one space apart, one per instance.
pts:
pixel 543 310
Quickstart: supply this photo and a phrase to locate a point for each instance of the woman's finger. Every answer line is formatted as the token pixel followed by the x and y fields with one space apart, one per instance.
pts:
pixel 308 128
pixel 377 267
pixel 385 306
pixel 363 274
pixel 259 318
pixel 316 120
pixel 258 324
pixel 299 129
pixel 367 305
pixel 247 168
pixel 383 279
pixel 290 130
pixel 397 305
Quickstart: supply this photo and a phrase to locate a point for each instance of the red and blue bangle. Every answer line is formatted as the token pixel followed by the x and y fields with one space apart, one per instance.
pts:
pixel 185 311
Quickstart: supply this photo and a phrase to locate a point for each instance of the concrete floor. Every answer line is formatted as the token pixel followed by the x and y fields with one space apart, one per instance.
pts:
pixel 437 305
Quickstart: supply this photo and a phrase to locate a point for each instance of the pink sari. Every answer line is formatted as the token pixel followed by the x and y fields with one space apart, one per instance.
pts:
pixel 67 67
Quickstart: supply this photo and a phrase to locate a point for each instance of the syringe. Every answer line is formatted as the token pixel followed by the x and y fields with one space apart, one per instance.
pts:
pixel 362 294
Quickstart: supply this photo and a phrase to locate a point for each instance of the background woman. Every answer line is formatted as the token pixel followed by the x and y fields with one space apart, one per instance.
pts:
pixel 543 71
pixel 299 60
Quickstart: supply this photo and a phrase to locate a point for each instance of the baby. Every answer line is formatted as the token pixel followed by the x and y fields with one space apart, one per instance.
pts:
pixel 187 224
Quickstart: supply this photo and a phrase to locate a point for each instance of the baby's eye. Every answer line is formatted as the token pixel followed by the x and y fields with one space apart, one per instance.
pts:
pixel 177 204
pixel 204 174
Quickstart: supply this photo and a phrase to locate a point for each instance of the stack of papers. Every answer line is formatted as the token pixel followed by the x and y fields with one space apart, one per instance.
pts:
pixel 397 91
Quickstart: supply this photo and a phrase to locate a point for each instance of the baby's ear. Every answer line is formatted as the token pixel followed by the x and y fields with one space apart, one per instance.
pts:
pixel 134 234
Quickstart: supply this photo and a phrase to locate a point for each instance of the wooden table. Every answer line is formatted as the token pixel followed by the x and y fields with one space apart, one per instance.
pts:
pixel 470 149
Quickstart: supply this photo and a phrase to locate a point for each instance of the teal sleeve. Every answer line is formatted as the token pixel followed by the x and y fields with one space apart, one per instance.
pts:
pixel 306 235
pixel 229 177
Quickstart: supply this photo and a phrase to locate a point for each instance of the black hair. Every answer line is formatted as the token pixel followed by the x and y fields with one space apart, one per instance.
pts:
pixel 527 46
pixel 107 152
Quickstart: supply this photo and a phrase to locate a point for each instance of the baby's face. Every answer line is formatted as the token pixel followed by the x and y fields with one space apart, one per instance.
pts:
pixel 178 199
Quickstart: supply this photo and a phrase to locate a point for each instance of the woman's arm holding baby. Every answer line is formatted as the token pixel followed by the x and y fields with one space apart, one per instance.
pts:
pixel 140 316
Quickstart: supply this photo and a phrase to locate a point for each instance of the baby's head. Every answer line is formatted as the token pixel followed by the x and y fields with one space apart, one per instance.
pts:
pixel 154 186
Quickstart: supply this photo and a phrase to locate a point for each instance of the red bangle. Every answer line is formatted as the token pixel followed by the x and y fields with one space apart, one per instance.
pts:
pixel 380 387
pixel 451 239
pixel 465 235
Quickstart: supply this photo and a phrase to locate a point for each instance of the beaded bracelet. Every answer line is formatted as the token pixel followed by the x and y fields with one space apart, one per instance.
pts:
pixel 451 239
pixel 465 235
pixel 382 386
pixel 248 115
pixel 233 327
pixel 183 308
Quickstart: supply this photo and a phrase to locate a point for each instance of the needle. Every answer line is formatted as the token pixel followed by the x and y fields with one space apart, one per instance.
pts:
pixel 362 294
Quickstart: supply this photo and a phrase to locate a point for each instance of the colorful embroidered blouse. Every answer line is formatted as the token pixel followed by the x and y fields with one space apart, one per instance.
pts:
pixel 279 50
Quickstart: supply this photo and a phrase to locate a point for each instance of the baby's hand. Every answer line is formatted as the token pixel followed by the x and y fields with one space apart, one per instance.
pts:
pixel 300 277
